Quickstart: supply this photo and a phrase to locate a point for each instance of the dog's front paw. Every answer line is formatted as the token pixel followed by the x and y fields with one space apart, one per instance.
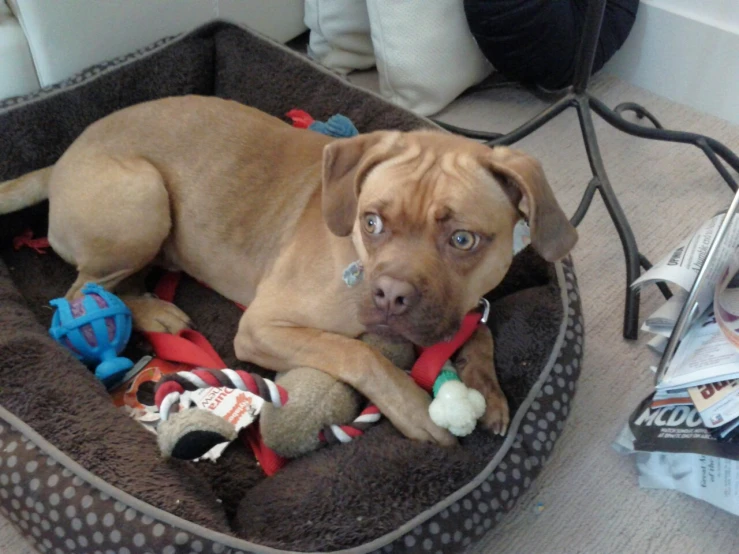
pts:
pixel 480 375
pixel 496 416
pixel 411 415
pixel 151 314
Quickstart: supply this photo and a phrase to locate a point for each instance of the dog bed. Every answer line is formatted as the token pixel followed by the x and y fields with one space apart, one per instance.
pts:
pixel 77 475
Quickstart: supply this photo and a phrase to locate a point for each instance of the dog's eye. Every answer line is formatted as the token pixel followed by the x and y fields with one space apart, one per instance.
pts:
pixel 464 240
pixel 373 224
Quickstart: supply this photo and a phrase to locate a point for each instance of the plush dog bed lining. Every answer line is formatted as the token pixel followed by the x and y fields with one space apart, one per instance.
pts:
pixel 166 517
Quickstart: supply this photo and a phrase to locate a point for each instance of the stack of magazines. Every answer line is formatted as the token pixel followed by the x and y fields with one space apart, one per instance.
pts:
pixel 685 436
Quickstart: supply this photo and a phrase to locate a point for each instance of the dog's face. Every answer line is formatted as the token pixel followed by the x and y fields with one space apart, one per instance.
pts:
pixel 432 216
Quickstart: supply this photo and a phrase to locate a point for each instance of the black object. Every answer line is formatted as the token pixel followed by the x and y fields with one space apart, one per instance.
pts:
pixel 535 41
pixel 577 96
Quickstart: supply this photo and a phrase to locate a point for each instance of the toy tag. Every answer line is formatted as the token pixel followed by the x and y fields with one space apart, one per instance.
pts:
pixel 239 408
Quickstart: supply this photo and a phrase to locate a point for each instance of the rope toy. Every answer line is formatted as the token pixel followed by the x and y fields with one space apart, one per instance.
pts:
pixel 455 407
pixel 338 125
pixel 171 388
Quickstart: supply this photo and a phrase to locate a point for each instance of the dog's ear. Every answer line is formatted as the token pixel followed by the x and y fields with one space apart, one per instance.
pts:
pixel 346 164
pixel 523 179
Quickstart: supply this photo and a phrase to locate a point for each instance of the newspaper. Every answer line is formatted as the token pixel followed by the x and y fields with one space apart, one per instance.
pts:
pixel 663 320
pixel 672 429
pixel 676 397
pixel 703 356
pixel 673 450
pixel 728 432
pixel 726 301
pixel 681 265
pixel 658 344
pixel 685 436
pixel 713 480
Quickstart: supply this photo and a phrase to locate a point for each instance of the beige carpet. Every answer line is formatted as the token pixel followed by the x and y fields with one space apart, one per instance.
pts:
pixel 591 502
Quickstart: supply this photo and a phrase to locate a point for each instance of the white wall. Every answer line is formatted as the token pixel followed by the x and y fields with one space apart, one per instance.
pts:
pixel 685 50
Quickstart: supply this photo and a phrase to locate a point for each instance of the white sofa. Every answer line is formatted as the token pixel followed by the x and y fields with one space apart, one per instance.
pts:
pixel 43 42
pixel 17 73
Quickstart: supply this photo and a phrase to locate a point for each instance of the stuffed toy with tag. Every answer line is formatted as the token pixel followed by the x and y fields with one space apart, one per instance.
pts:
pixel 304 409
pixel 317 406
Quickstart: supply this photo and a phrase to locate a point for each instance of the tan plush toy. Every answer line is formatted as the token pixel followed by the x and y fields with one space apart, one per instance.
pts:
pixel 318 401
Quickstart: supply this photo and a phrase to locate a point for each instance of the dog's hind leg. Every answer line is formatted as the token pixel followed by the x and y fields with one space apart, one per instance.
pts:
pixel 107 281
pixel 109 217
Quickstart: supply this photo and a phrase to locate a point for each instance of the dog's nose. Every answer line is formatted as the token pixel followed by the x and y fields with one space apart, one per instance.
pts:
pixel 394 296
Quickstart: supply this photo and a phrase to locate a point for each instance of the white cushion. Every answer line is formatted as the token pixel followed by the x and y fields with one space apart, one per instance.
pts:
pixel 340 34
pixel 425 56
pixel 17 73
pixel 281 20
pixel 67 36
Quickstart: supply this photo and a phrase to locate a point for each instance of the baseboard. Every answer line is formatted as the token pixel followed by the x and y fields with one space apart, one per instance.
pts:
pixel 687 52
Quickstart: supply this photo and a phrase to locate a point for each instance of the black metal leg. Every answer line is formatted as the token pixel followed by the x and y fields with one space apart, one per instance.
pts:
pixel 545 116
pixel 628 241
pixel 585 201
pixel 640 111
pixel 711 147
pixel 469 133
pixel 594 13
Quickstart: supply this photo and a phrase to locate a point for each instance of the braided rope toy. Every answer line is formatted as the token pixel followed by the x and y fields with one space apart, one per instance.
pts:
pixel 448 391
pixel 171 387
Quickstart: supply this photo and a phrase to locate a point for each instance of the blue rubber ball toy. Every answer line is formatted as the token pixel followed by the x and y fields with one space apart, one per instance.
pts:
pixel 95 328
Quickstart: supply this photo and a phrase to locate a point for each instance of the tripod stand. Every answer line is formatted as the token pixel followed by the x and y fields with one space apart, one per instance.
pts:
pixel 577 96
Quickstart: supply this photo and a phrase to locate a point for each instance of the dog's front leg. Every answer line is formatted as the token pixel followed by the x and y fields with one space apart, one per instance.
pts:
pixel 476 366
pixel 281 347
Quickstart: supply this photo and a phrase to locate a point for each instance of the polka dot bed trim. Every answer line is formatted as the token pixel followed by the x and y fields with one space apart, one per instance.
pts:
pixel 61 507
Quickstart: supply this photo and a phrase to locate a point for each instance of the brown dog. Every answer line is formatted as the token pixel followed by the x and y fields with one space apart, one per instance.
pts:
pixel 270 216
